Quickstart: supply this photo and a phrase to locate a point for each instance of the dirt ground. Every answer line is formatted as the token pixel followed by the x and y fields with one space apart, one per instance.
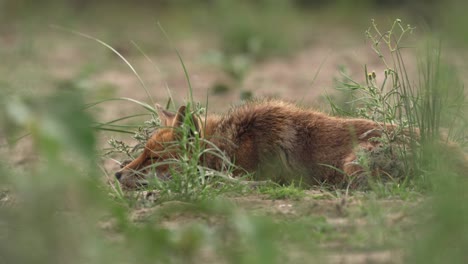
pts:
pixel 356 228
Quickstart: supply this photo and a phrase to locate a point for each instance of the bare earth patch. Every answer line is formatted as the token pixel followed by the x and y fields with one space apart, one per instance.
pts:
pixel 356 229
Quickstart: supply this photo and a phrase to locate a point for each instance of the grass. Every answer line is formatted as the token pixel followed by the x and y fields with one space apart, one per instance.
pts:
pixel 283 192
pixel 420 110
pixel 58 210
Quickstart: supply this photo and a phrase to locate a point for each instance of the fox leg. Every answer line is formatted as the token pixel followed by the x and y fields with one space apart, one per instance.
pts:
pixel 354 172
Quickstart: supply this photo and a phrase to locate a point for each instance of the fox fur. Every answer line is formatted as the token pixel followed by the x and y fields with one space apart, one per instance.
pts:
pixel 273 139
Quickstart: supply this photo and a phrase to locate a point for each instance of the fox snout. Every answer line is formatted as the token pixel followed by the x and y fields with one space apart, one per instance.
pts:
pixel 129 179
pixel 118 175
pixel 129 175
pixel 134 178
pixel 124 175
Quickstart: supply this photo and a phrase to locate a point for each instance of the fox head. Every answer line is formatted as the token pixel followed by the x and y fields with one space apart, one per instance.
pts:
pixel 161 148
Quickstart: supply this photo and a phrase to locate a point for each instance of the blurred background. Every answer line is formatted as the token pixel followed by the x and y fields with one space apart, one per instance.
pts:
pixel 232 49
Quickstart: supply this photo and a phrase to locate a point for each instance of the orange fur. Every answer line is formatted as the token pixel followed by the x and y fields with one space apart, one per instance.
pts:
pixel 274 139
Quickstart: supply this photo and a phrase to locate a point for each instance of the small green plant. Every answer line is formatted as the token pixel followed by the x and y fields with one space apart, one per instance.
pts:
pixel 410 115
pixel 281 192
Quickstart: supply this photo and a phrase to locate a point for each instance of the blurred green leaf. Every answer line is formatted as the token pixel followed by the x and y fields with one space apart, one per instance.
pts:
pixel 57 123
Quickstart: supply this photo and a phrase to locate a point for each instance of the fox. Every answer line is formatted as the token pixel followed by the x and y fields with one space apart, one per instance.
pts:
pixel 272 139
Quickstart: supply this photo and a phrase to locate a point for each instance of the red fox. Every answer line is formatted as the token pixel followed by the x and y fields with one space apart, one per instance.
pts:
pixel 270 138
pixel 273 139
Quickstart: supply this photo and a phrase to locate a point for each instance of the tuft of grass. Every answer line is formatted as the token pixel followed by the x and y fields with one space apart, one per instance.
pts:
pixel 280 192
pixel 190 180
pixel 411 109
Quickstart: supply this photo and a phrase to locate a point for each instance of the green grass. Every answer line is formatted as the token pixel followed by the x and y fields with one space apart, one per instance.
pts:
pixel 420 110
pixel 291 191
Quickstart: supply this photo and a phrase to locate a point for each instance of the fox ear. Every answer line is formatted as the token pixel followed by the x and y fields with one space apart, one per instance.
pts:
pixel 166 117
pixel 179 117
pixel 195 125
